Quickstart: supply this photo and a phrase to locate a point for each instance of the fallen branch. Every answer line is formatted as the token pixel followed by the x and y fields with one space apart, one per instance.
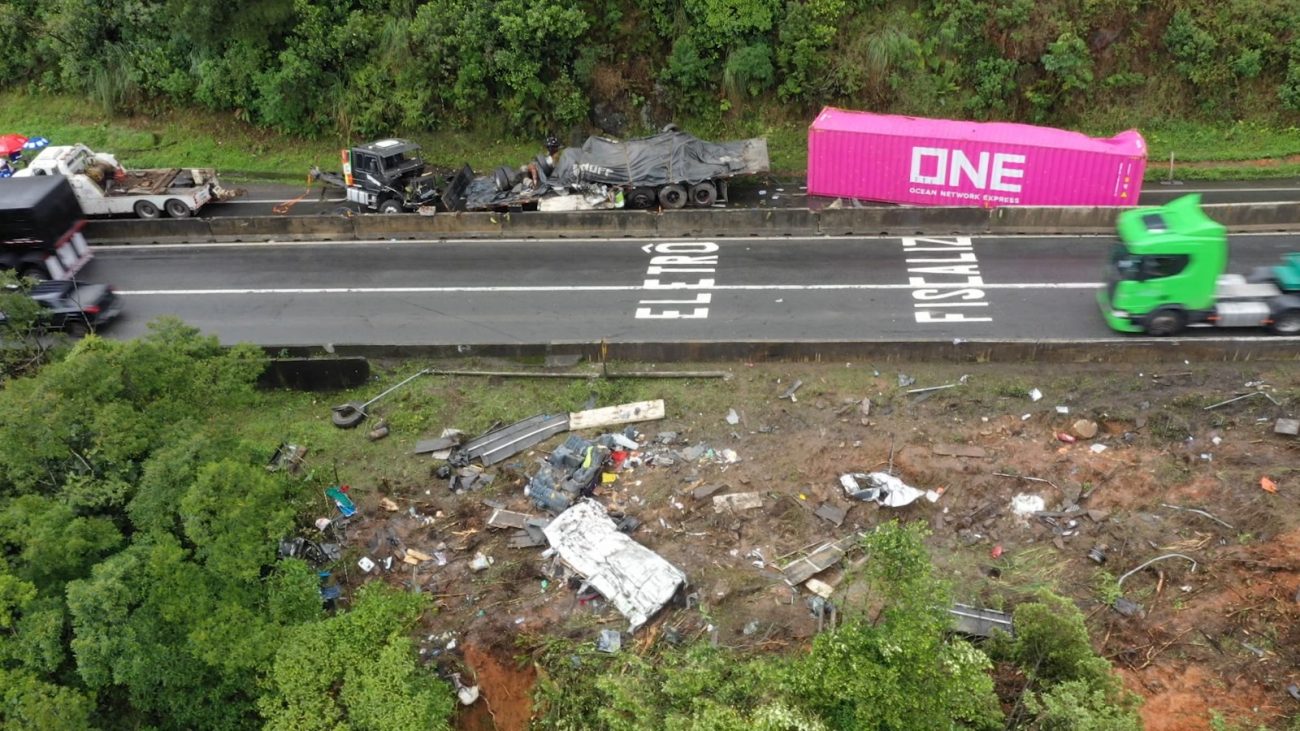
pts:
pixel 1225 524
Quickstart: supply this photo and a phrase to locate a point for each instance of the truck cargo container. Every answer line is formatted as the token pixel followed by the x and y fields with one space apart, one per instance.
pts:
pixel 940 162
pixel 40 228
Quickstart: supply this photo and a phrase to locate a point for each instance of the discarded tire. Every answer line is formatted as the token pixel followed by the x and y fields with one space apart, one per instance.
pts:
pixel 347 416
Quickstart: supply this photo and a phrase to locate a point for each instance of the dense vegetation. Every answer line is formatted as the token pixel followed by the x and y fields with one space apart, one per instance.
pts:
pixel 365 67
pixel 140 589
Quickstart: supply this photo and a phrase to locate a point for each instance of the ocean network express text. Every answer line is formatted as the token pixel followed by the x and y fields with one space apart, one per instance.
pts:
pixel 1000 172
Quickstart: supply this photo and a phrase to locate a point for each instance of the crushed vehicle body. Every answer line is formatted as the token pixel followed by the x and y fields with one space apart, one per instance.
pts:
pixel 636 580
pixel 671 169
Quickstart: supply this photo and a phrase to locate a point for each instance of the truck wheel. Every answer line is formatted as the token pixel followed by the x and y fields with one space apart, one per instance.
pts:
pixel 1287 323
pixel 1165 322
pixel 176 208
pixel 703 194
pixel 641 198
pixel 672 196
pixel 146 210
pixel 390 206
pixel 76 329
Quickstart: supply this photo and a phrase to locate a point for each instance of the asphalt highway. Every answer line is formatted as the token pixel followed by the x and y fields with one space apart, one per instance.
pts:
pixel 528 292
pixel 263 199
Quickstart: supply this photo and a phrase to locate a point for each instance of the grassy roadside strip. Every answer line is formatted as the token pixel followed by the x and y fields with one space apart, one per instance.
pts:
pixel 243 152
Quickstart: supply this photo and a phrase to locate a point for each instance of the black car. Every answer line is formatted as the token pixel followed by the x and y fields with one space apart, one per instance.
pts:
pixel 74 307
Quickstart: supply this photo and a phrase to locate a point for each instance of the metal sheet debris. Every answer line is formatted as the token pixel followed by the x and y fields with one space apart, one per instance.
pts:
pixel 829 554
pixel 831 513
pixel 1287 426
pixel 508 519
pixel 883 489
pixel 621 414
pixel 977 622
pixel 636 580
pixel 501 444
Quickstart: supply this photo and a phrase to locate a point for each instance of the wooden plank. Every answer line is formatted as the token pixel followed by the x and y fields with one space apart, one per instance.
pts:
pixel 621 414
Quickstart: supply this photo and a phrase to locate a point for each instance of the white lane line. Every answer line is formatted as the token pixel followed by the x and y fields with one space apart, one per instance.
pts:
pixel 1107 238
pixel 590 288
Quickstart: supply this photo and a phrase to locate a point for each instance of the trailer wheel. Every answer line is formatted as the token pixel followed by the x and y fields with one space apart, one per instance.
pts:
pixel 391 205
pixel 1287 323
pixel 704 194
pixel 77 329
pixel 641 198
pixel 348 416
pixel 672 196
pixel 1165 322
pixel 146 210
pixel 176 208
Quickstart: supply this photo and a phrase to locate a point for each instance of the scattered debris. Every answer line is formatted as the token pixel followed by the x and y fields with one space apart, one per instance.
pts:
pixel 1097 554
pixel 1287 426
pixel 820 588
pixel 365 564
pixel 1267 485
pixel 450 439
pixel 609 640
pixel 636 580
pixel 704 491
pixel 732 417
pixel 977 622
pixel 1127 607
pixel 1035 394
pixel 1249 395
pixel 289 457
pixel 613 415
pixel 508 519
pixel 481 562
pixel 831 513
pixel 341 500
pixel 905 380
pixel 928 389
pixel 1084 429
pixel 1294 690
pixel 1098 448
pixel 1120 581
pixel 736 502
pixel 388 504
pixel 789 392
pixel 1064 437
pixel 1026 504
pixel 466 693
pixel 379 432
pixel 960 450
pixel 1199 512
pixel 500 444
pixel 349 415
pixel 824 557
pixel 883 489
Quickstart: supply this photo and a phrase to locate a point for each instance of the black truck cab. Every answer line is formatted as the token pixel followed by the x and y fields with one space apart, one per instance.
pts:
pixel 389 176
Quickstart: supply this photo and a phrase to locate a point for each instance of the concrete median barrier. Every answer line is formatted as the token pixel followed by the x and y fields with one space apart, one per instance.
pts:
pixel 282 228
pixel 711 223
pixel 1117 350
pixel 136 231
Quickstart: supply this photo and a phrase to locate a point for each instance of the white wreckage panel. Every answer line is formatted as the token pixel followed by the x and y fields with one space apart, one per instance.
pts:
pixel 638 581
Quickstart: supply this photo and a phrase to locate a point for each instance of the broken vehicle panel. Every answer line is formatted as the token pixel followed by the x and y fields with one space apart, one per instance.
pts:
pixel 636 580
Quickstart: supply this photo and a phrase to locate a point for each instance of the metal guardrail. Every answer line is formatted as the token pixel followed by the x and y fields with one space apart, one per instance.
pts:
pixel 723 223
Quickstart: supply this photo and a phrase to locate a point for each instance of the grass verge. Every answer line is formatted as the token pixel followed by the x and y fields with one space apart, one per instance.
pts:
pixel 1243 150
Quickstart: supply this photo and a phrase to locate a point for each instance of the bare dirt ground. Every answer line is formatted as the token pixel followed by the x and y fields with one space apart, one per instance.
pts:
pixel 1218 638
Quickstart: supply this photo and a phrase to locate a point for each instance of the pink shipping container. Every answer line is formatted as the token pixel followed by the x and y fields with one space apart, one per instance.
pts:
pixel 940 162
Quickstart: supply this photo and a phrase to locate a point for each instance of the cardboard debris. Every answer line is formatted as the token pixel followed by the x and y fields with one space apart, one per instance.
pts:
pixel 737 501
pixel 621 414
pixel 636 580
pixel 959 450
pixel 414 557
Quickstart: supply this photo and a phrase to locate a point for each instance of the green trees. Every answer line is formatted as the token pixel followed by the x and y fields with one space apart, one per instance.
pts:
pixel 371 67
pixel 139 585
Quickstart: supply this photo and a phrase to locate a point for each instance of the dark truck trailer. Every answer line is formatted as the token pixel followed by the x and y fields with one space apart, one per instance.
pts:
pixel 40 228
pixel 671 169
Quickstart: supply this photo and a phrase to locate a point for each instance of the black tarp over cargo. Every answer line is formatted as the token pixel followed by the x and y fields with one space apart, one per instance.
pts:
pixel 668 157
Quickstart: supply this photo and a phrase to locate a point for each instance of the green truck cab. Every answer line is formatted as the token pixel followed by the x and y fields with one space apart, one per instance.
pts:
pixel 1166 272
